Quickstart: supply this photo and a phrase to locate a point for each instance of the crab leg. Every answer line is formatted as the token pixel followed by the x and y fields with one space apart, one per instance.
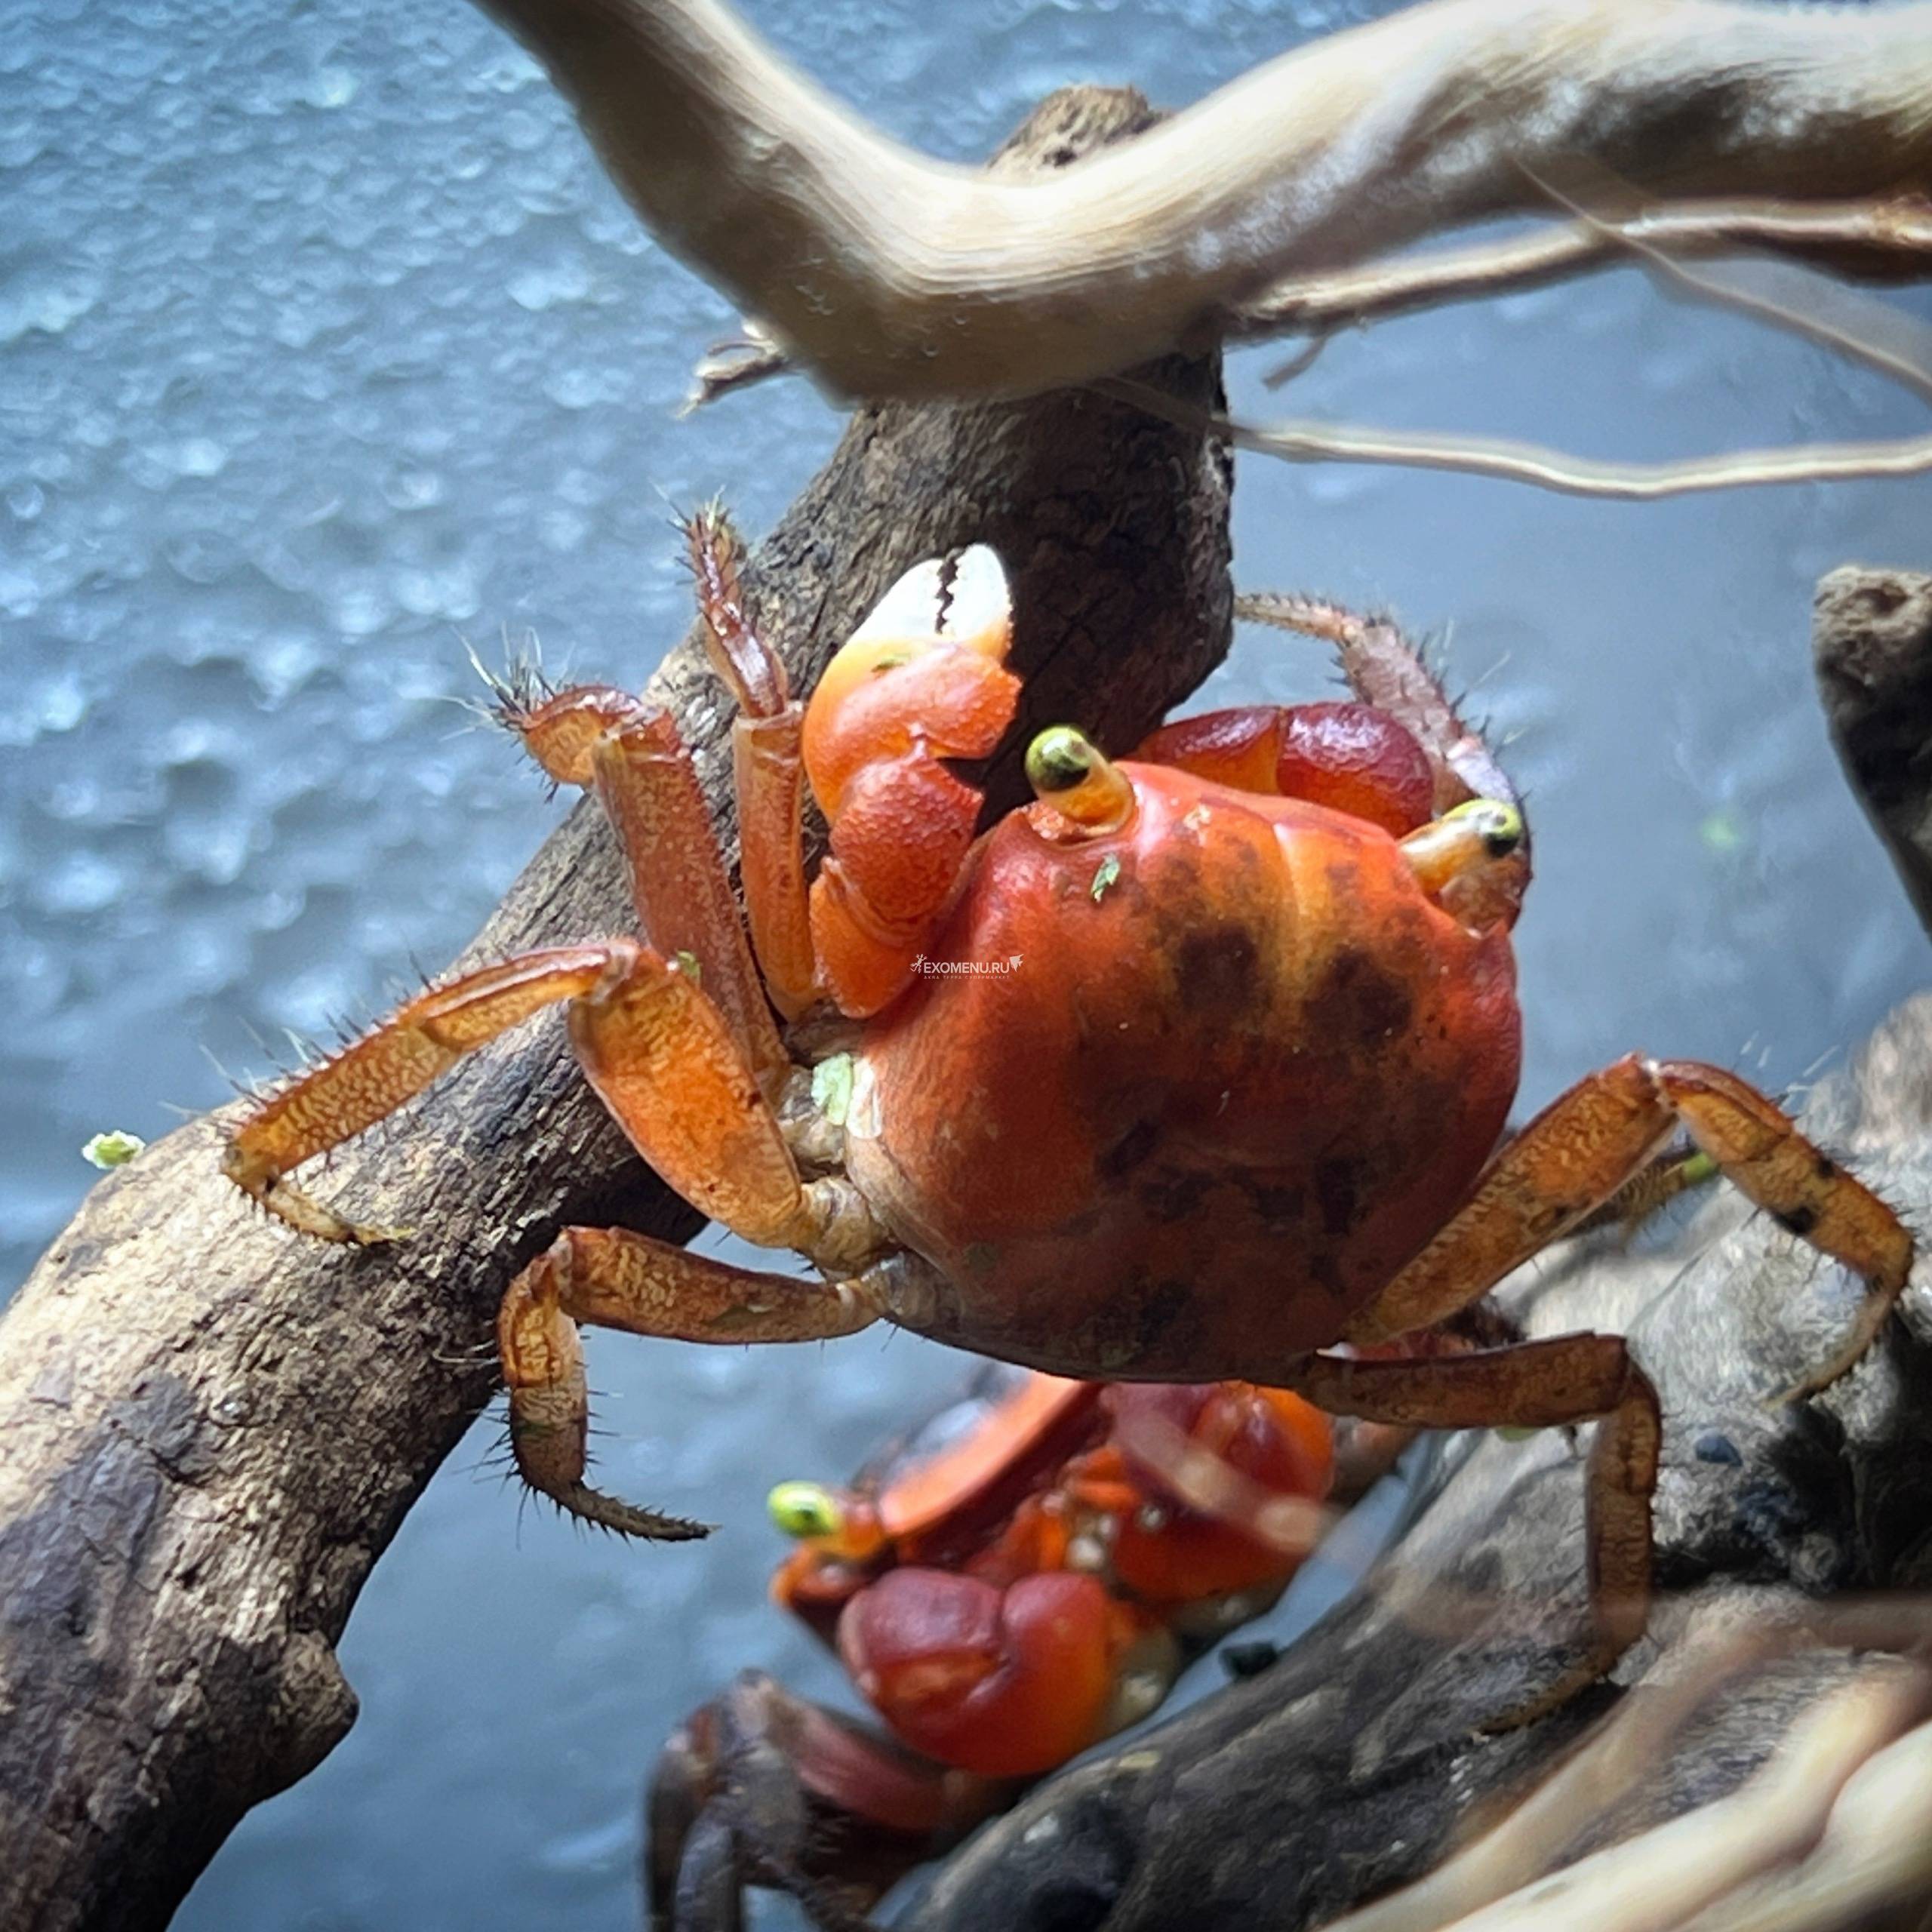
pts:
pixel 1540 1384
pixel 652 1044
pixel 768 769
pixel 1573 1156
pixel 631 755
pixel 618 1279
pixel 370 1079
pixel 1588 1142
pixel 760 1787
pixel 1386 672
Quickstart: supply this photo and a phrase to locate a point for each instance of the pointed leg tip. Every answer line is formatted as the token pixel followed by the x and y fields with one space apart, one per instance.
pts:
pixel 378 1235
pixel 626 1519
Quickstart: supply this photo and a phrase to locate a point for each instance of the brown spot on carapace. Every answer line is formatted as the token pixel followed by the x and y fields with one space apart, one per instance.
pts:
pixel 1216 971
pixel 1357 1001
pixel 1279 1207
pixel 1173 1195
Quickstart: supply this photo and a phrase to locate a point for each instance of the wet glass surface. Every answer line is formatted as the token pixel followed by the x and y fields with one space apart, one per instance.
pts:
pixel 322 341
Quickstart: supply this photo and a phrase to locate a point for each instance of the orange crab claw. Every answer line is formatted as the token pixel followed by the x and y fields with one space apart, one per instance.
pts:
pixel 1002 1683
pixel 922 679
pixel 1271 1443
pixel 1350 757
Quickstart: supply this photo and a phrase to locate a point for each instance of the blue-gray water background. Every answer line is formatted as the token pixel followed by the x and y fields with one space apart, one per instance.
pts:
pixel 322 341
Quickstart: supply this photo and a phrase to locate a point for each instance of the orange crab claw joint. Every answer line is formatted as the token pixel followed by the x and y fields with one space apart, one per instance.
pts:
pixel 1076 779
pixel 1483 832
pixel 662 1060
pixel 923 679
pixel 562 733
pixel 1004 1684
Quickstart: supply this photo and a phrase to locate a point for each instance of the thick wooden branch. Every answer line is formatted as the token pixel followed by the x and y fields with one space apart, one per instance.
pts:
pixel 212 1428
pixel 887 273
pixel 1351 1766
pixel 1872 642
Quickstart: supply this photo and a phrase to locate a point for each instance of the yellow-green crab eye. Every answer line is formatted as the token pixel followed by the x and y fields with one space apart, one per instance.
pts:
pixel 1071 774
pixel 1059 759
pixel 805 1510
pixel 1500 824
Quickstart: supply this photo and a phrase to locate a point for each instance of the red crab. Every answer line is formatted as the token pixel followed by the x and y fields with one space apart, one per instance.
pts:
pixel 1025 1575
pixel 1195 1068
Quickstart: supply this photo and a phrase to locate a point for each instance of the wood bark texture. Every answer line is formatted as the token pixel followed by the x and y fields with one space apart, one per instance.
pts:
pixel 212 1428
pixel 1871 642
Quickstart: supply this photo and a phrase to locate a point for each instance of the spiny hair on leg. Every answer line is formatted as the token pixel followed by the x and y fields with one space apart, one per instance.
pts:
pixel 520 688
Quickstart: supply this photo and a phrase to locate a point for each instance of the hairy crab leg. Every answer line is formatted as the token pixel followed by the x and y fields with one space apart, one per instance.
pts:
pixel 1385 670
pixel 1588 1142
pixel 1573 1156
pixel 767 768
pixel 617 1279
pixel 652 1044
pixel 391 1064
pixel 1537 1385
pixel 631 755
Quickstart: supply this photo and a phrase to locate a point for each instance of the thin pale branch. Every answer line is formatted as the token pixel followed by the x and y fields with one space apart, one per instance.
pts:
pixel 1657 1882
pixel 1553 470
pixel 1885 239
pixel 1812 323
pixel 1876 1853
pixel 888 273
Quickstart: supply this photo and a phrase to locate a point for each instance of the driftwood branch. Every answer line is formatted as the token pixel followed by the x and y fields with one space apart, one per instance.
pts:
pixel 212 1429
pixel 1792 1544
pixel 1886 239
pixel 1881 241
pixel 1871 641
pixel 887 273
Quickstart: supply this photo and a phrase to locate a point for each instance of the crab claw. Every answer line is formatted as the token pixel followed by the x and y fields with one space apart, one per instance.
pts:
pixel 1212 1459
pixel 963 600
pixel 926 667
pixel 921 680
pixel 1003 1683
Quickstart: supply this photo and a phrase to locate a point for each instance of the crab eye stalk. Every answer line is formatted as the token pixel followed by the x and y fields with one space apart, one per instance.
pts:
pixel 1073 775
pixel 1498 825
pixel 1479 833
pixel 805 1510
